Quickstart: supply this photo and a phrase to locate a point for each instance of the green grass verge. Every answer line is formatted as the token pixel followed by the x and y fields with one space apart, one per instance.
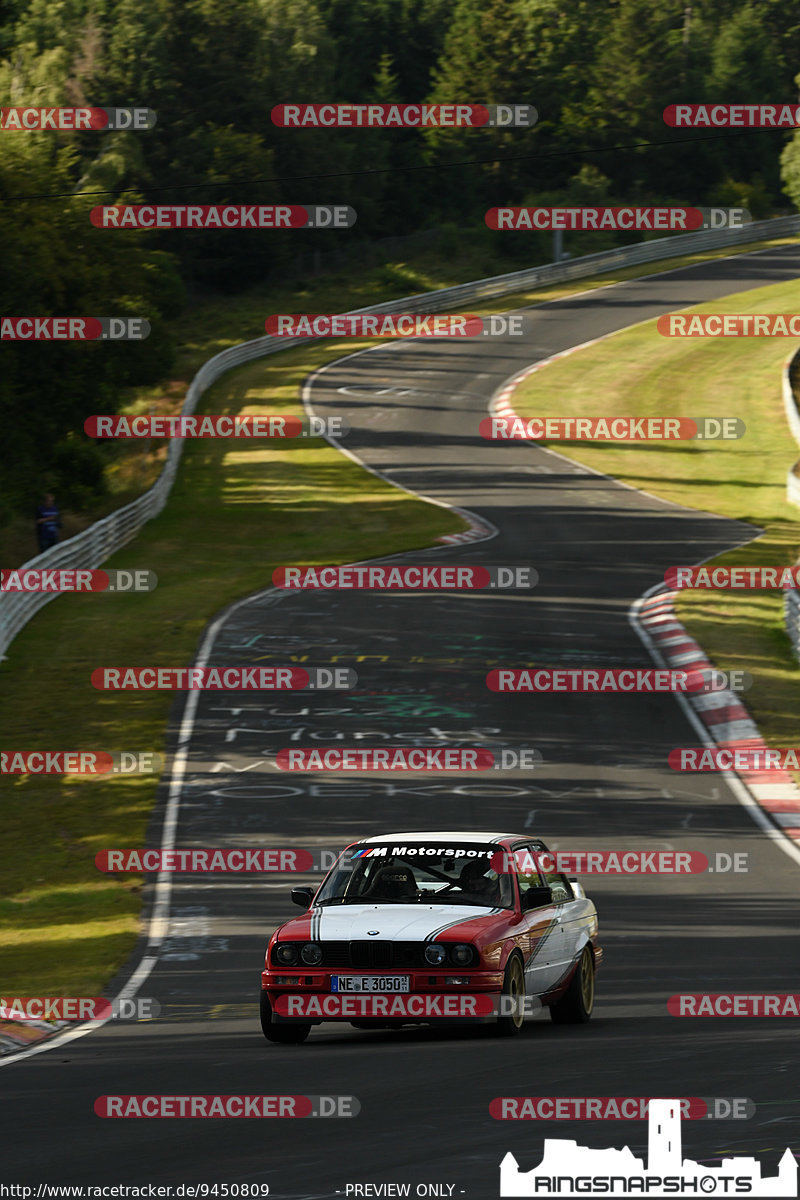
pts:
pixel 641 373
pixel 233 515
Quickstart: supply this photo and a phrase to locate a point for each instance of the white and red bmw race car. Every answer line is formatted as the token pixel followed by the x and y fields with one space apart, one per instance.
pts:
pixel 429 927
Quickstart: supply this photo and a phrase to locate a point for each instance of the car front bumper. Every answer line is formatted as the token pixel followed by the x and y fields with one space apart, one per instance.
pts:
pixel 309 997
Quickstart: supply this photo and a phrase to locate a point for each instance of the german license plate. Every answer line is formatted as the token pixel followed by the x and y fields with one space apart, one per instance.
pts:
pixel 370 983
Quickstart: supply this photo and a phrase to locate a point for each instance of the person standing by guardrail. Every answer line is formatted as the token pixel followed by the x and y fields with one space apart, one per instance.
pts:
pixel 48 522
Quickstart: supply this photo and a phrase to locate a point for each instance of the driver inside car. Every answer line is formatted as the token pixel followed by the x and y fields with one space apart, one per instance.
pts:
pixel 478 880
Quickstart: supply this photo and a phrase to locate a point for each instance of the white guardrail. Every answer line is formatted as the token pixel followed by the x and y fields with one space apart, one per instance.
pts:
pixel 791 603
pixel 91 547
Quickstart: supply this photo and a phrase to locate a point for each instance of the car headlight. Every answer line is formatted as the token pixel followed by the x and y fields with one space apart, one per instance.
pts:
pixel 311 954
pixel 435 955
pixel 461 954
pixel 286 953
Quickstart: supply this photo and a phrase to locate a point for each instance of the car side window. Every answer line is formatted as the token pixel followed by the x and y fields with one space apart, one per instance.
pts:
pixel 526 870
pixel 560 886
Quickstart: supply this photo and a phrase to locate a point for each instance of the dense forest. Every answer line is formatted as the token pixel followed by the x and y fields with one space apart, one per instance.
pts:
pixel 600 73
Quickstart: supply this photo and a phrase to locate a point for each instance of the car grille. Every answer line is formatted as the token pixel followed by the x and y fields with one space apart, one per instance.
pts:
pixel 372 955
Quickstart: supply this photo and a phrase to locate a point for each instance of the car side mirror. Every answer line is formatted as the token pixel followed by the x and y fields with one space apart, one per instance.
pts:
pixel 303 896
pixel 537 897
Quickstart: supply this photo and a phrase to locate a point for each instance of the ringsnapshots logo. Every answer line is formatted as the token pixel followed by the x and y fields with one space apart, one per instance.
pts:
pixel 223 679
pixel 215 425
pixel 77 579
pixel 223 216
pixel 80 120
pixel 74 329
pixel 634 218
pixel 404 116
pixel 404 578
pixel 567 1169
pixel 617 680
pixel 610 429
pixel 394 325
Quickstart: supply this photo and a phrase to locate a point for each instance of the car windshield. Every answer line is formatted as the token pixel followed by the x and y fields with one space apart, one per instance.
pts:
pixel 458 873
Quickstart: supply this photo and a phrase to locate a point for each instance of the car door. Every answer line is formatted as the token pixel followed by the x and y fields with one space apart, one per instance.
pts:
pixel 543 936
pixel 571 920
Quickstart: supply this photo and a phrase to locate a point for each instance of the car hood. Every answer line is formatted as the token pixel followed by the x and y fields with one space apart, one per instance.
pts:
pixel 395 922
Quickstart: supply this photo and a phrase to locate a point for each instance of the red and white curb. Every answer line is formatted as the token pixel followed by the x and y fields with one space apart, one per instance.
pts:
pixel 500 403
pixel 479 530
pixel 500 406
pixel 722 714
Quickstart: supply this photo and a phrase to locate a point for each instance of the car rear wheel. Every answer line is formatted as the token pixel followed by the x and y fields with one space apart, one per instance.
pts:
pixel 512 1000
pixel 286 1035
pixel 575 1006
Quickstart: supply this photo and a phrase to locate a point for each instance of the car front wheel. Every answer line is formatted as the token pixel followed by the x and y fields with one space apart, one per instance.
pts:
pixel 286 1035
pixel 575 1006
pixel 512 1000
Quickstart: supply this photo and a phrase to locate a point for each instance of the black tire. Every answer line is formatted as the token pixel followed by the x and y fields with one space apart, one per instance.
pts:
pixel 510 1024
pixel 286 1035
pixel 575 1006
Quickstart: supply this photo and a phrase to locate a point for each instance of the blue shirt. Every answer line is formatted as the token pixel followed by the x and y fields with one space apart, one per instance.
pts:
pixel 53 522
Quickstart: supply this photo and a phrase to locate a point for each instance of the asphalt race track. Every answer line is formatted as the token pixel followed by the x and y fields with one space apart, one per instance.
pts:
pixel 422 659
